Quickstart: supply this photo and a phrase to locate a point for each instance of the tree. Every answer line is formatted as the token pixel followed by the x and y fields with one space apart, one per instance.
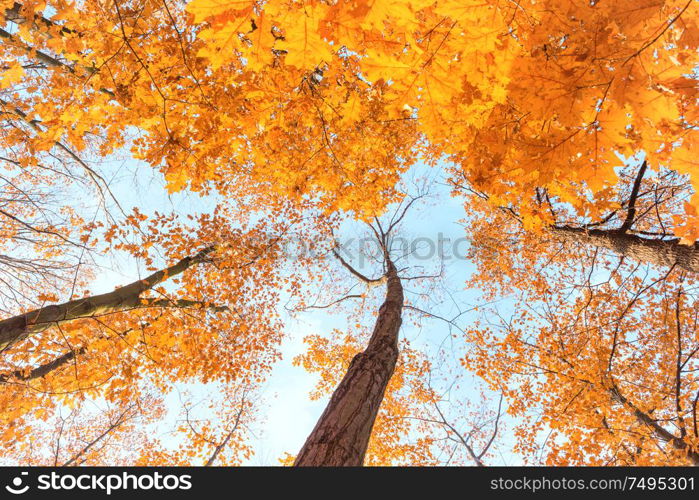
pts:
pixel 636 227
pixel 89 436
pixel 596 358
pixel 380 386
pixel 368 75
pixel 199 319
pixel 342 433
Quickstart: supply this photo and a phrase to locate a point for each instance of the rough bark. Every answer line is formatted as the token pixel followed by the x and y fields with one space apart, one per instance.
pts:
pixel 123 298
pixel 341 436
pixel 652 251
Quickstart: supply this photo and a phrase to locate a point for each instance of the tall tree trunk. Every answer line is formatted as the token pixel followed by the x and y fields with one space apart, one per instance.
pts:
pixel 123 298
pixel 341 436
pixel 652 251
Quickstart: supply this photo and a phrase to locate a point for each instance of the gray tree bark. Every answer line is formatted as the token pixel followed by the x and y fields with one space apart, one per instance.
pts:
pixel 341 436
pixel 127 297
pixel 652 251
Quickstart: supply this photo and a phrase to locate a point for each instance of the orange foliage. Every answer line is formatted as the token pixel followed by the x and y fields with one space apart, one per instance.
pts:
pixel 292 108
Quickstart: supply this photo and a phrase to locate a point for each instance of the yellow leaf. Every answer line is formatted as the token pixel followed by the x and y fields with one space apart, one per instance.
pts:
pixel 11 76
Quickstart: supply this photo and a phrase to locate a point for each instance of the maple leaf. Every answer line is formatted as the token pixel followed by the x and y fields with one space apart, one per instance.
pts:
pixel 305 47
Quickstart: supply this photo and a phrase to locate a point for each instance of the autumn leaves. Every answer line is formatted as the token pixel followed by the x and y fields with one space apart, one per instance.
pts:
pixel 568 130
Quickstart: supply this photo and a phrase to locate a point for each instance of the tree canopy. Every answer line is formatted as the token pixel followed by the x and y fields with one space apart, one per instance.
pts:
pixel 566 130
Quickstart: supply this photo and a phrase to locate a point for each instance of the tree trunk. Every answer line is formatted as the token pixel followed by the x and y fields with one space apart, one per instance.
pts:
pixel 123 298
pixel 652 251
pixel 341 436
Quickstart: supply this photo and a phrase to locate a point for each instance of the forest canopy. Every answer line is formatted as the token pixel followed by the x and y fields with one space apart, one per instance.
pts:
pixel 183 182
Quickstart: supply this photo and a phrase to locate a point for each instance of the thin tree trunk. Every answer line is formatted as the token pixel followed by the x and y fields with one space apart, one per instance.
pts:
pixel 123 298
pixel 130 412
pixel 341 436
pixel 224 443
pixel 652 251
pixel 44 369
pixel 658 429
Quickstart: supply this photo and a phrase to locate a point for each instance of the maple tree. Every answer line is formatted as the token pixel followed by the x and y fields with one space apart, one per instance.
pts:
pixel 599 364
pixel 129 347
pixel 342 434
pixel 567 124
pixel 597 351
pixel 613 79
pixel 382 389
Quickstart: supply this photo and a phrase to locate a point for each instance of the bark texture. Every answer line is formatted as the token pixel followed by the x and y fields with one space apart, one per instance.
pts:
pixel 341 436
pixel 652 251
pixel 123 298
